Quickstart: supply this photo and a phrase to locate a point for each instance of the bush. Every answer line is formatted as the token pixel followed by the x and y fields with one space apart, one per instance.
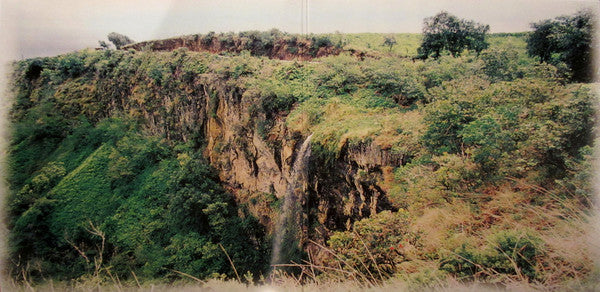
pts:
pixel 488 140
pixel 456 173
pixel 71 66
pixel 445 120
pixel 463 262
pixel 376 244
pixel 34 69
pixel 508 252
pixel 398 81
pixel 514 252
pixel 340 75
pixel 119 40
pixel 321 42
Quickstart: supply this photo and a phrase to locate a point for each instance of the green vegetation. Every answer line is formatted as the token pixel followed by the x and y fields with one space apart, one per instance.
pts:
pixel 565 41
pixel 93 195
pixel 130 204
pixel 109 175
pixel 390 41
pixel 445 32
pixel 374 43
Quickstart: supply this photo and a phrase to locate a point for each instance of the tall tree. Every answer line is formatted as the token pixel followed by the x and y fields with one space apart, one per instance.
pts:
pixel 119 40
pixel 446 32
pixel 565 39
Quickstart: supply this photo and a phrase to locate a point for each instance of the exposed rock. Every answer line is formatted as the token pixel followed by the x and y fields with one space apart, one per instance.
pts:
pixel 256 168
pixel 284 49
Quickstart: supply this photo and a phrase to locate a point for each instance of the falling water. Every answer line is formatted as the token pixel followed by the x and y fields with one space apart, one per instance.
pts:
pixel 287 229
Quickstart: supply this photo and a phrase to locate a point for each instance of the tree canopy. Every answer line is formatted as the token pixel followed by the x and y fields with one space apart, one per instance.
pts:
pixel 446 32
pixel 119 40
pixel 565 39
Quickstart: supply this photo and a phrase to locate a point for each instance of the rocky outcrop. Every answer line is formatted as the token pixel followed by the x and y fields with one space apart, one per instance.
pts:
pixel 278 47
pixel 337 194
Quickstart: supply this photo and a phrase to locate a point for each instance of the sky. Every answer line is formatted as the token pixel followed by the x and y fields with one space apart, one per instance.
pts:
pixel 31 28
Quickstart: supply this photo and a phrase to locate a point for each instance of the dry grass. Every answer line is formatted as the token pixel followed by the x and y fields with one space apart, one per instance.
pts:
pixel 437 222
pixel 280 285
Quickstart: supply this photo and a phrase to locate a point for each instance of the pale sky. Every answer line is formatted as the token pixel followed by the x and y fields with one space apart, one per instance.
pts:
pixel 48 27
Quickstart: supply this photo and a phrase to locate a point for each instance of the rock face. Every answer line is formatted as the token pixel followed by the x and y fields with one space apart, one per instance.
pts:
pixel 254 166
pixel 337 194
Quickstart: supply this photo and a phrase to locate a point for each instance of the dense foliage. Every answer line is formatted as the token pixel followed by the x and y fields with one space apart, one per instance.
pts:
pixel 108 174
pixel 446 32
pixel 93 193
pixel 566 40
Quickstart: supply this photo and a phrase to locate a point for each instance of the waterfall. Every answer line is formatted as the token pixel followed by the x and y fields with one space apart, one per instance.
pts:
pixel 287 230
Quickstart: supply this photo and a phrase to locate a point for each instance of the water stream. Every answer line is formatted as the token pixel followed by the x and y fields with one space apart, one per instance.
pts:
pixel 287 231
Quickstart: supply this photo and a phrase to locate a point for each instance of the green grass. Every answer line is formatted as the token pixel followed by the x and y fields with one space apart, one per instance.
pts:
pixel 408 43
pixel 517 41
pixel 84 194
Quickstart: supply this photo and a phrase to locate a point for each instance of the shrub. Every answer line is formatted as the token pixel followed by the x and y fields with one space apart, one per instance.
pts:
pixel 400 82
pixel 463 262
pixel 71 66
pixel 320 42
pixel 488 140
pixel 341 74
pixel 513 252
pixel 119 40
pixel 508 252
pixel 445 120
pixel 376 244
pixel 34 69
pixel 456 173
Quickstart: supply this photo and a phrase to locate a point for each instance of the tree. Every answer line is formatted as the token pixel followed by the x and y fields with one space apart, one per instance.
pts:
pixel 565 39
pixel 119 40
pixel 389 41
pixel 446 32
pixel 104 45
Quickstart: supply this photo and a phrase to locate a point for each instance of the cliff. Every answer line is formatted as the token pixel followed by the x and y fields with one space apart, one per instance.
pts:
pixel 252 165
pixel 217 102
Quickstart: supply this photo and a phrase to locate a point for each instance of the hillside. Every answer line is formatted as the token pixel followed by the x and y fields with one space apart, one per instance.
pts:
pixel 147 164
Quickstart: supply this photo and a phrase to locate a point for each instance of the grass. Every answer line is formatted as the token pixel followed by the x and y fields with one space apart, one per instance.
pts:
pixel 286 284
pixel 408 43
pixel 337 122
